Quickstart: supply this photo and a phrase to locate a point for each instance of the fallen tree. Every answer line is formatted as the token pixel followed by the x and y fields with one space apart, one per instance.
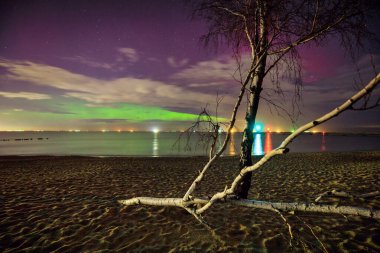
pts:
pixel 197 206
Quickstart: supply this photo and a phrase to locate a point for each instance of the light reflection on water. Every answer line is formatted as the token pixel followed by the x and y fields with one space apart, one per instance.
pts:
pixel 323 144
pixel 231 148
pixel 161 144
pixel 268 142
pixel 155 144
pixel 257 145
pixel 257 148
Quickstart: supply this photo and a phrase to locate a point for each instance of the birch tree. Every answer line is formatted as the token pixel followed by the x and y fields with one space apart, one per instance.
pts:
pixel 272 31
pixel 196 206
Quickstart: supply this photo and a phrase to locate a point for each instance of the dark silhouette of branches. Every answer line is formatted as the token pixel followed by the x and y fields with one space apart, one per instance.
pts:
pixel 205 130
pixel 270 34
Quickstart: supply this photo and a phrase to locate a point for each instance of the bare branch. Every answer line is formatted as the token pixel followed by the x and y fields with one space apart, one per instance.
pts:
pixel 287 223
pixel 338 193
pixel 315 236
pixel 282 149
pixel 365 106
pixel 267 205
pixel 306 207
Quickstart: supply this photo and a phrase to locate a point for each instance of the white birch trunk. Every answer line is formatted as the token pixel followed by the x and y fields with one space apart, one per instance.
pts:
pixel 282 206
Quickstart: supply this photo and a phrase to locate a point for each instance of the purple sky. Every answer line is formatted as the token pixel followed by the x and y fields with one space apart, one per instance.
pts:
pixel 64 63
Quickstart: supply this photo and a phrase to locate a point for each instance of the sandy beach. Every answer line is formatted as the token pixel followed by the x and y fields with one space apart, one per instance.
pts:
pixel 69 204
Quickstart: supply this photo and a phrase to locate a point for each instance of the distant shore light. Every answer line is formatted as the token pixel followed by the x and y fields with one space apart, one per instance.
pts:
pixel 258 127
pixel 155 130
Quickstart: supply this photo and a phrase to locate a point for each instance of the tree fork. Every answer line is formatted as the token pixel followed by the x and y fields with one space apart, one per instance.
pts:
pixel 282 149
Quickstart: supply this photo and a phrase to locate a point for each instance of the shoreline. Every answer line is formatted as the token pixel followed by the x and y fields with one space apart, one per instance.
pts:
pixel 179 156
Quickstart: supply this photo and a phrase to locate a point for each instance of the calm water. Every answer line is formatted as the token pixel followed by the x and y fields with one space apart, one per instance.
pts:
pixel 161 144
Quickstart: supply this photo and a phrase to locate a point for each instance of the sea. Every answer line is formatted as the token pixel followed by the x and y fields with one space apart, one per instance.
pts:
pixel 151 144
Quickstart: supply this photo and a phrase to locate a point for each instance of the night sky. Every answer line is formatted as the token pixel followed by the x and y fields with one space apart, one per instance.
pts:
pixel 93 65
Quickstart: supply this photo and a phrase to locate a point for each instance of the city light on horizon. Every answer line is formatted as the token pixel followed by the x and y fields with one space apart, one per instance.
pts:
pixel 258 127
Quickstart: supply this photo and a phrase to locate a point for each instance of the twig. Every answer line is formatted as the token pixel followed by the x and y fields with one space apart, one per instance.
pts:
pixel 312 231
pixel 287 223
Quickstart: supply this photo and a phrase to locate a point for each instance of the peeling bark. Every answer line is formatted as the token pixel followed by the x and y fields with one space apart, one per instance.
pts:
pixel 306 207
pixel 267 205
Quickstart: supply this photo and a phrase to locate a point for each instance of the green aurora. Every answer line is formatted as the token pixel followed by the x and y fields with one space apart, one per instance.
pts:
pixel 130 112
pixel 76 110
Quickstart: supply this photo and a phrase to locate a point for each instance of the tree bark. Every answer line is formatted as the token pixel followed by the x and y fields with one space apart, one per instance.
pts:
pixel 248 138
pixel 268 205
pixel 253 105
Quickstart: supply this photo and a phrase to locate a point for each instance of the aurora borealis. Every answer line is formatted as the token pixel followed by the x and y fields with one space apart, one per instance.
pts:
pixel 95 65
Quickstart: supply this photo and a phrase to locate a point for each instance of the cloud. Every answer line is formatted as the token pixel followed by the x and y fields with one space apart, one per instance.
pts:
pixel 90 63
pixel 205 85
pixel 347 81
pixel 204 71
pixel 177 63
pixel 214 76
pixel 25 95
pixel 125 54
pixel 129 53
pixel 99 91
pixel 221 70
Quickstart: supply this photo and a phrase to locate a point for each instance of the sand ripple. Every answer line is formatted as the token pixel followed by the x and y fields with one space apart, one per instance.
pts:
pixel 68 204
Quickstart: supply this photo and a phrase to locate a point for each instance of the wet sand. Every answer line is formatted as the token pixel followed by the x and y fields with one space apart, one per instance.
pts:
pixel 69 204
